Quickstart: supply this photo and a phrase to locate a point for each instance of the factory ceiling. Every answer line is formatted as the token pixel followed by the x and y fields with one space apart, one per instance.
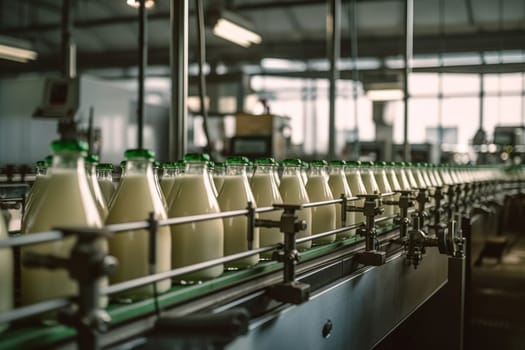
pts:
pixel 106 31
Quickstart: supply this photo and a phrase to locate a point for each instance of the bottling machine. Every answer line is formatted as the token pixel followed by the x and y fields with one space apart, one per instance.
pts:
pixel 347 294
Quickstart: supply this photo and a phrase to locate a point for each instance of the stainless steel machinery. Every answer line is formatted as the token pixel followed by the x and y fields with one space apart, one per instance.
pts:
pixel 349 294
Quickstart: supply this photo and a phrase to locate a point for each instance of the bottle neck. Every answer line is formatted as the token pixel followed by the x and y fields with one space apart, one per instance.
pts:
pixel 104 175
pixel 41 171
pixel 291 171
pixel 263 169
pixel 196 168
pixel 68 160
pixel 139 166
pixel 317 171
pixel 169 172
pixel 236 170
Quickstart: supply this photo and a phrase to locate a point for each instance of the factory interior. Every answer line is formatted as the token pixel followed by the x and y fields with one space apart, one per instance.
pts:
pixel 262 174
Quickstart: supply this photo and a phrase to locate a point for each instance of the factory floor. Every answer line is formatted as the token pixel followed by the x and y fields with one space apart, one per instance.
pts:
pixel 498 299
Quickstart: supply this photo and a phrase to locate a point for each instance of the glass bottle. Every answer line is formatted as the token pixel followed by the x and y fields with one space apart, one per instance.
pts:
pixel 105 180
pixel 293 191
pixel 401 176
pixel 169 172
pixel 384 187
pixel 134 200
pixel 35 192
pixel 266 193
pixel 6 275
pixel 355 182
pixel 156 167
pixel 211 167
pixel 339 186
pixel 66 201
pixel 392 180
pixel 90 162
pixel 418 177
pixel 197 241
pixel 177 179
pixel 275 172
pixel 235 194
pixel 218 175
pixel 304 171
pixel 323 217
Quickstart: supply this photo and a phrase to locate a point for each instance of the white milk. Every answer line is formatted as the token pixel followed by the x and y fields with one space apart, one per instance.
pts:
pixel 134 200
pixel 402 179
pixel 416 173
pixel 199 241
pixel 384 187
pixel 218 181
pixel 266 193
pixel 97 195
pixel 392 180
pixel 293 192
pixel 323 217
pixel 235 194
pixel 33 199
pixel 6 275
pixel 411 179
pixel 66 201
pixel 339 185
pixel 353 177
pixel 166 184
pixel 107 189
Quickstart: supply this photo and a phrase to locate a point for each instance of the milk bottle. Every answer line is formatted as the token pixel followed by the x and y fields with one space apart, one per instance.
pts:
pixel 355 182
pixel 235 194
pixel 169 172
pixel 394 184
pixel 323 217
pixel 6 275
pixel 407 167
pixel 218 175
pixel 197 241
pixel 304 172
pixel 384 187
pixel 66 201
pixel 401 176
pixel 156 167
pixel 275 172
pixel 430 174
pixel 418 177
pixel 35 192
pixel 135 198
pixel 177 179
pixel 266 193
pixel 105 180
pixel 293 191
pixel 339 186
pixel 211 166
pixel 91 162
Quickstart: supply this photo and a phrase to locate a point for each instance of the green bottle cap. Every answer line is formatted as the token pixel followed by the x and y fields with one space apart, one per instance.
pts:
pixel 123 164
pixel 220 165
pixel 69 146
pixel 91 158
pixel 139 153
pixel 211 164
pixel 179 164
pixel 49 160
pixel 265 161
pixel 237 161
pixel 292 162
pixel 337 163
pixel 367 164
pixel 196 157
pixel 318 163
pixel 105 166
pixel 41 163
pixel 353 163
pixel 167 165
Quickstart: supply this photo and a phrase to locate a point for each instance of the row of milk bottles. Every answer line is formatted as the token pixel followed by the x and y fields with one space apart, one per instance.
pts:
pixel 75 191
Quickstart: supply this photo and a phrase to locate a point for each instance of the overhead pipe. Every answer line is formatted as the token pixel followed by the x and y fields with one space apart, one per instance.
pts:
pixel 179 13
pixel 143 62
pixel 69 69
pixel 408 34
pixel 355 75
pixel 333 28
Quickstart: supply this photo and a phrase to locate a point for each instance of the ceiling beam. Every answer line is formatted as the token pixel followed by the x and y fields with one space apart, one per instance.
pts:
pixel 379 47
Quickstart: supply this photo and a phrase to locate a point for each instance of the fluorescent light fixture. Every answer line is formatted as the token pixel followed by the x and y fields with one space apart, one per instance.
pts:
pixel 235 33
pixel 283 65
pixel 136 3
pixel 232 27
pixel 385 95
pixel 16 50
